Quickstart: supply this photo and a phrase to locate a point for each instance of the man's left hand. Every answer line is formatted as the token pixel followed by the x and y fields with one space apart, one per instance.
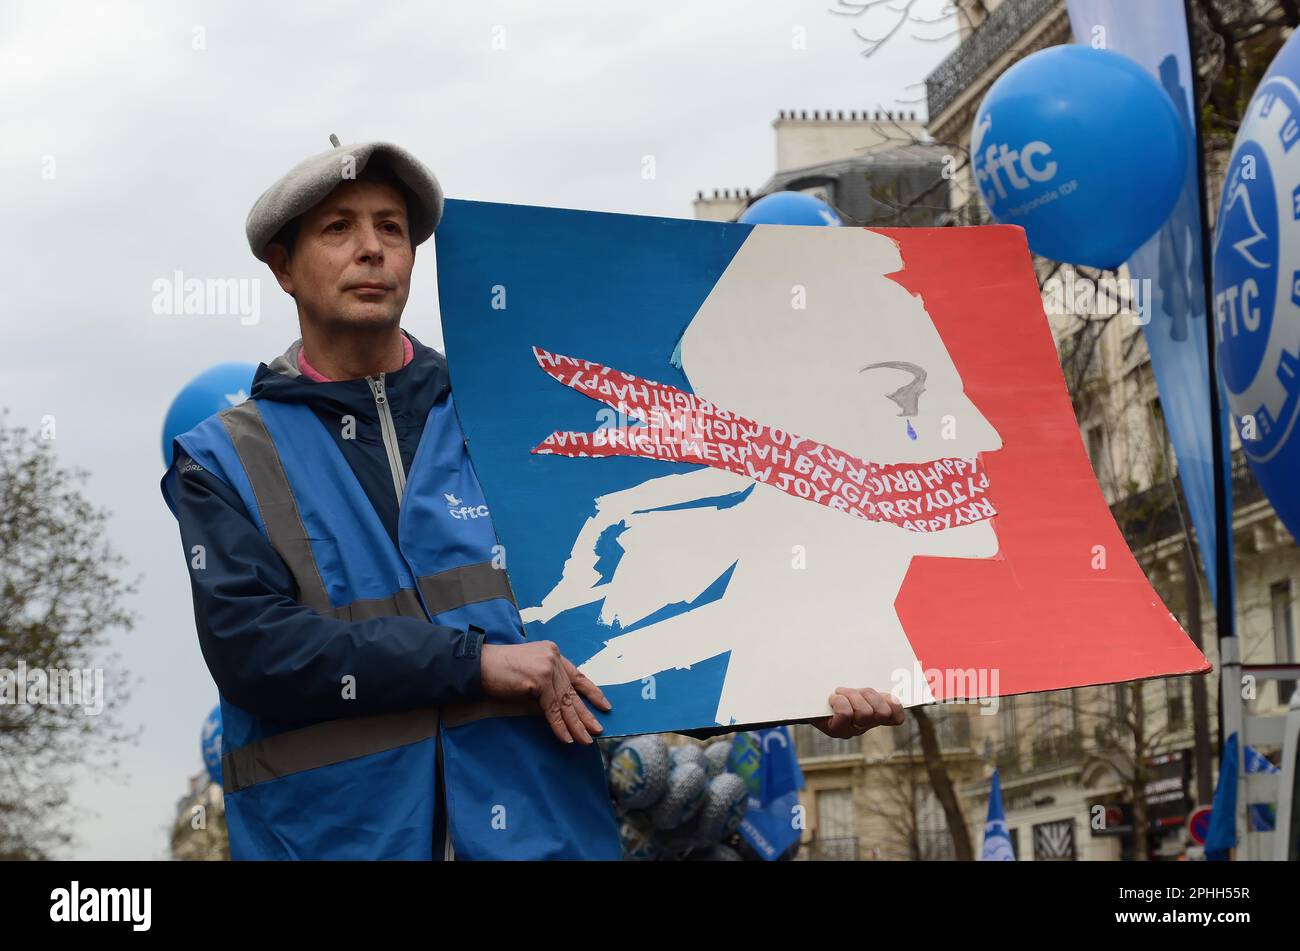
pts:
pixel 857 711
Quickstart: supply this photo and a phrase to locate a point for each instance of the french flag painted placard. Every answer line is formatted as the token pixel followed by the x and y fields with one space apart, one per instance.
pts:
pixel 733 467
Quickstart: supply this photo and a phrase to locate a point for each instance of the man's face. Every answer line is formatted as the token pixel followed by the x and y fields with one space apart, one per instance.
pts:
pixel 353 259
pixel 823 371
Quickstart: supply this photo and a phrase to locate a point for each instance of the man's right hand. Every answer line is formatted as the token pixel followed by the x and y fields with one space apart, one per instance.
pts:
pixel 539 670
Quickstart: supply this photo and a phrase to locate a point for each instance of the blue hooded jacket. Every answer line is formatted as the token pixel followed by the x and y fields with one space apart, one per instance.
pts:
pixel 344 575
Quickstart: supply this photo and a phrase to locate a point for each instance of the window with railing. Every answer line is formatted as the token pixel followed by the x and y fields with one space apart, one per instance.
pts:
pixel 843 849
pixel 1175 703
pixel 1099 453
pixel 1006 751
pixel 837 832
pixel 969 62
pixel 1056 739
pixel 1119 704
pixel 811 743
pixel 1008 725
pixel 1007 759
pixel 1106 735
pixel 934 841
pixel 1058 749
pixel 951 729
pixel 1163 464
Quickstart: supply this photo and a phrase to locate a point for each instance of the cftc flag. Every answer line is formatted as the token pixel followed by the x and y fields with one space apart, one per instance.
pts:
pixel 997 837
pixel 1222 836
pixel 1263 815
pixel 1153 33
pixel 766 761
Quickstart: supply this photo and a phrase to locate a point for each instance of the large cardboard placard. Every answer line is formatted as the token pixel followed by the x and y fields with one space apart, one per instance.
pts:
pixel 734 467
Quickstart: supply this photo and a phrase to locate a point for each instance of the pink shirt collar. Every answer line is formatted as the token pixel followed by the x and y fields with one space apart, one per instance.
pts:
pixel 311 373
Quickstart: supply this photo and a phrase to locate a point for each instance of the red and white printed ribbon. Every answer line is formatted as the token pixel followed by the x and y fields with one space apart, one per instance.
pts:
pixel 681 427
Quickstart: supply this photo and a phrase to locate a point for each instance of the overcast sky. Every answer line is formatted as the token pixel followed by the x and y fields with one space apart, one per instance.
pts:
pixel 135 138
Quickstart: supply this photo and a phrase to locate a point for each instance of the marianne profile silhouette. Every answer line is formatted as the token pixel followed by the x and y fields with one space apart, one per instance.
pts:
pixel 762 559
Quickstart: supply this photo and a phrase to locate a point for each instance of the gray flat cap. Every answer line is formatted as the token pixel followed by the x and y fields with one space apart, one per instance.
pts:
pixel 312 179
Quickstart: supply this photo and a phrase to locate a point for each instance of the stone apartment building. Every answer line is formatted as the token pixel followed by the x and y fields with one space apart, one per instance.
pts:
pixel 198 832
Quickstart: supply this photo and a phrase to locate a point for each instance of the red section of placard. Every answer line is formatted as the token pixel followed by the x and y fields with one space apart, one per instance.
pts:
pixel 1041 614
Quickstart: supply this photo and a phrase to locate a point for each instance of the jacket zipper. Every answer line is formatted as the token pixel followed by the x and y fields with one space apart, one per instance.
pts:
pixel 388 430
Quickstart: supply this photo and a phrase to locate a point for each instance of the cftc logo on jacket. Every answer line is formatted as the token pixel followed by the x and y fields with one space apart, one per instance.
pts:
pixel 456 508
pixel 373 787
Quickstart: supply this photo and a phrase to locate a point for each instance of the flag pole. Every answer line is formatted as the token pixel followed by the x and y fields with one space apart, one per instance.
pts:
pixel 1223 608
pixel 1231 714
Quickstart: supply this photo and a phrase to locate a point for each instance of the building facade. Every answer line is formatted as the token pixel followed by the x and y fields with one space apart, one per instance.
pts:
pixel 875 167
pixel 198 831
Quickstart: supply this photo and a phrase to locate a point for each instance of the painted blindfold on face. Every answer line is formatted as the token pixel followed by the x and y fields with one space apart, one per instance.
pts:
pixel 680 427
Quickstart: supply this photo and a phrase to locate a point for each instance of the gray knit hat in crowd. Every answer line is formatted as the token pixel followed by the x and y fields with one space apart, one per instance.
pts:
pixel 312 179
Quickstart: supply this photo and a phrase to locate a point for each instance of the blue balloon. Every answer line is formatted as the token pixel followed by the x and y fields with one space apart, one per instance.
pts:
pixel 210 743
pixel 213 390
pixel 1257 284
pixel 1083 149
pixel 789 208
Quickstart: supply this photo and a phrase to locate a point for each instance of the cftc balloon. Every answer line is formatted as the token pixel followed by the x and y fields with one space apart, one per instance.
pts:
pixel 210 743
pixel 638 771
pixel 215 389
pixel 789 208
pixel 682 798
pixel 1083 149
pixel 1257 284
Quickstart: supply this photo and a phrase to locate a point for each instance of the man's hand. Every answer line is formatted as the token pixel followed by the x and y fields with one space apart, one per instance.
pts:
pixel 857 711
pixel 539 670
